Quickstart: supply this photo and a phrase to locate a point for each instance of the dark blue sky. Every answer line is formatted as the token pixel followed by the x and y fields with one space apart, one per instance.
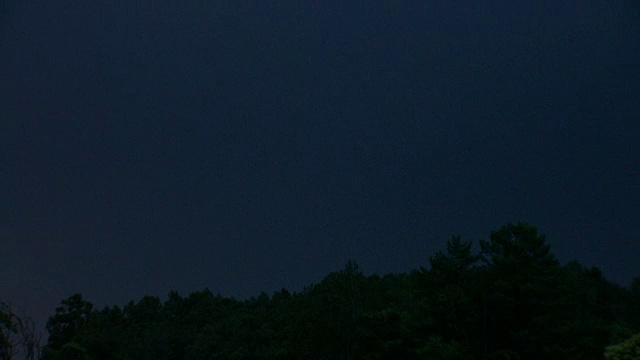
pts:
pixel 252 145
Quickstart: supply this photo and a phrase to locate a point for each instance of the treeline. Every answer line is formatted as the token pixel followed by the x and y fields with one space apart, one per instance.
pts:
pixel 511 300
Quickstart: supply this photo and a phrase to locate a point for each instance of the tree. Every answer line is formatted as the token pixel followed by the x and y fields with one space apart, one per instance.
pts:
pixel 457 260
pixel 8 333
pixel 30 338
pixel 627 350
pixel 73 351
pixel 100 335
pixel 633 316
pixel 521 283
pixel 67 321
pixel 591 312
pixel 335 307
pixel 449 301
pixel 18 336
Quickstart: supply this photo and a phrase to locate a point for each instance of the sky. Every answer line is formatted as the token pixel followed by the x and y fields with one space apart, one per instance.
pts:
pixel 246 146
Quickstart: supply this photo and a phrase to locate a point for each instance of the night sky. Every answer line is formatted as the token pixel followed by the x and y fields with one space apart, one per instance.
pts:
pixel 253 145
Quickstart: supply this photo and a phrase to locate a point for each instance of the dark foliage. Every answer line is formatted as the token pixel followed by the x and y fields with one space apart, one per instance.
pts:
pixel 512 300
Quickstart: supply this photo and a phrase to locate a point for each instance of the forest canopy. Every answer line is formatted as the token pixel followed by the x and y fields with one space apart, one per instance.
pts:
pixel 510 300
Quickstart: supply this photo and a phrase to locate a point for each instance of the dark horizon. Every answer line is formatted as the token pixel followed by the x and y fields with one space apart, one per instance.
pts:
pixel 247 147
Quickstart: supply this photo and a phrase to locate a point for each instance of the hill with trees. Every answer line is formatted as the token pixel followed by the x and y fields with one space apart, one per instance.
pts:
pixel 511 300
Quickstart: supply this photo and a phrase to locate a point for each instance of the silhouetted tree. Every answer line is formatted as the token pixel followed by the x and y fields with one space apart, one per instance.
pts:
pixel 8 333
pixel 521 285
pixel 18 336
pixel 450 302
pixel 68 320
